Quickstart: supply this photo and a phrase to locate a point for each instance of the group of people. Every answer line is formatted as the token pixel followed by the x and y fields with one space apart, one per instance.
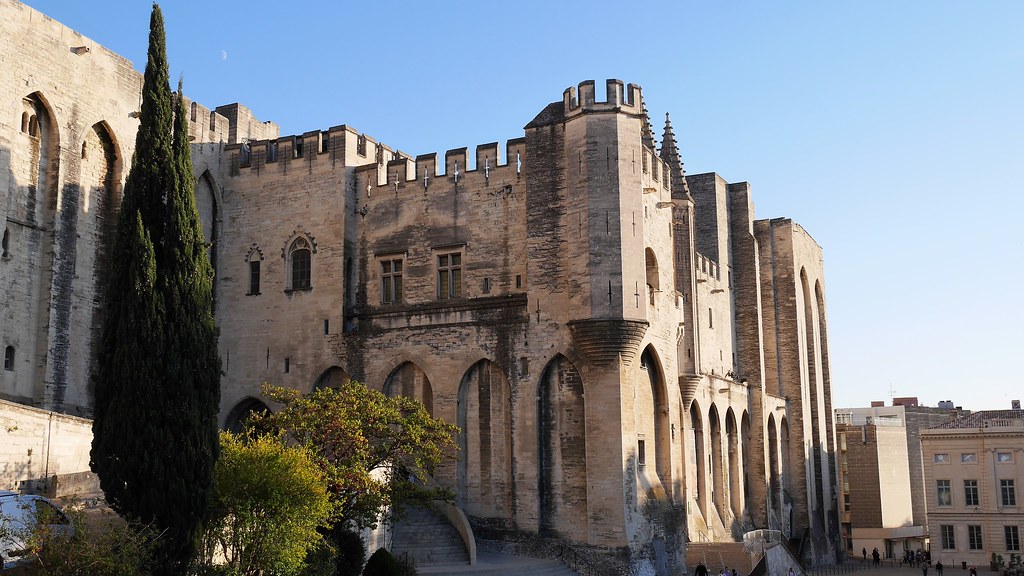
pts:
pixel 919 558
pixel 876 558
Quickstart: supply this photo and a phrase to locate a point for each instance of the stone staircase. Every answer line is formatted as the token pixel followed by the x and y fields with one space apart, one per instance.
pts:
pixel 718 555
pixel 429 539
pixel 426 537
pixel 494 564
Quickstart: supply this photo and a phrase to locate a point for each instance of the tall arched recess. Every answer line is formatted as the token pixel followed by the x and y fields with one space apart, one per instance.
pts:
pixel 240 414
pixel 410 381
pixel 562 451
pixel 31 205
pixel 334 377
pixel 209 219
pixel 99 201
pixel 485 442
pixel 699 459
pixel 652 421
pixel 816 499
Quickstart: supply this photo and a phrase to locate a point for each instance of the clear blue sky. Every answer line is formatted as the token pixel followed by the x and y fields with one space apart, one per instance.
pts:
pixel 892 131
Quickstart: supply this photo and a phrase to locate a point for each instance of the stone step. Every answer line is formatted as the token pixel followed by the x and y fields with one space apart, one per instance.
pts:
pixel 718 555
pixel 428 539
pixel 492 564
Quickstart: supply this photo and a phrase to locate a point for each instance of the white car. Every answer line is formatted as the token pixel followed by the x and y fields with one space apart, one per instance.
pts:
pixel 20 515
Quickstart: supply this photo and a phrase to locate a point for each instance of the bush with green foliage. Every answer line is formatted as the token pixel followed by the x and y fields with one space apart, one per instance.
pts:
pixel 348 550
pixel 382 563
pixel 269 502
pixel 102 545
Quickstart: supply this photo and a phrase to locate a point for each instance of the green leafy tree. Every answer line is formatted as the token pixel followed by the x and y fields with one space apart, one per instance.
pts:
pixel 375 451
pixel 269 502
pixel 158 378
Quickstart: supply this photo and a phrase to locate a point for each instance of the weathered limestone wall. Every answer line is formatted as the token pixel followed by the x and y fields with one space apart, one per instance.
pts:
pixel 38 444
pixel 796 355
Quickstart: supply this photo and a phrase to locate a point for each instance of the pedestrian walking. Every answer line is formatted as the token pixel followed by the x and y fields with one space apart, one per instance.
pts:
pixel 938 567
pixel 875 557
pixel 924 568
pixel 701 570
pixel 864 552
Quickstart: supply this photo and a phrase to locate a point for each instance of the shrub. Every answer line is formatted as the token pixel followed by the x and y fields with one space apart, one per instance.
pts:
pixel 102 545
pixel 269 503
pixel 382 563
pixel 350 551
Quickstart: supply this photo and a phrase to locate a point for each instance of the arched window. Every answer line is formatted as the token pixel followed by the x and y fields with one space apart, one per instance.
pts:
pixel 254 258
pixel 9 358
pixel 24 122
pixel 300 265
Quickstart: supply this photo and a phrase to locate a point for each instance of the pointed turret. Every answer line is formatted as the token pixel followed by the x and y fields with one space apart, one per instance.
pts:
pixel 670 155
pixel 646 131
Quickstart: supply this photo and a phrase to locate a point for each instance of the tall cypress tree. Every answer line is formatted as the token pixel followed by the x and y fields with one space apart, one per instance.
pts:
pixel 192 361
pixel 158 380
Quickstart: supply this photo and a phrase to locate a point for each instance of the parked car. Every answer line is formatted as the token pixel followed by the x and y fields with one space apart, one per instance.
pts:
pixel 20 516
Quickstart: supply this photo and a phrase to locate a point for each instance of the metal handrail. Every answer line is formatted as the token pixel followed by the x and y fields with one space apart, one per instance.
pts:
pixel 580 564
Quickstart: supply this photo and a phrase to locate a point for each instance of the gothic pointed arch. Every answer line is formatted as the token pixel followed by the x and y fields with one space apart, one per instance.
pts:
pixel 785 469
pixel 333 377
pixel 484 473
pixel 562 451
pixel 409 380
pixel 98 201
pixel 699 461
pixel 254 262
pixel 238 417
pixel 298 255
pixel 31 202
pixel 653 276
pixel 809 349
pixel 652 417
pixel 735 464
pixel 774 486
pixel 745 443
pixel 719 490
pixel 208 205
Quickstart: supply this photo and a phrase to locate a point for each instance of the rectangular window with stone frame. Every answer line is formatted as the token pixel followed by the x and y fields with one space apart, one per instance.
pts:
pixel 391 274
pixel 1012 538
pixel 449 275
pixel 974 541
pixel 1007 492
pixel 970 492
pixel 948 537
pixel 943 495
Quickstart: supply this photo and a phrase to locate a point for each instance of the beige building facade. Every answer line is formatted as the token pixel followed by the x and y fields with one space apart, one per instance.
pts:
pixel 974 470
pixel 634 360
pixel 876 498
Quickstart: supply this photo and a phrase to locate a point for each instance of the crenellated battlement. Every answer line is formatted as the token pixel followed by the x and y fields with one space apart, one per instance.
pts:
pixel 205 125
pixel 425 169
pixel 706 268
pixel 339 146
pixel 627 98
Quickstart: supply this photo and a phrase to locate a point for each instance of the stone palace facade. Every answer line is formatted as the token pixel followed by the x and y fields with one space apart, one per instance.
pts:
pixel 633 359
